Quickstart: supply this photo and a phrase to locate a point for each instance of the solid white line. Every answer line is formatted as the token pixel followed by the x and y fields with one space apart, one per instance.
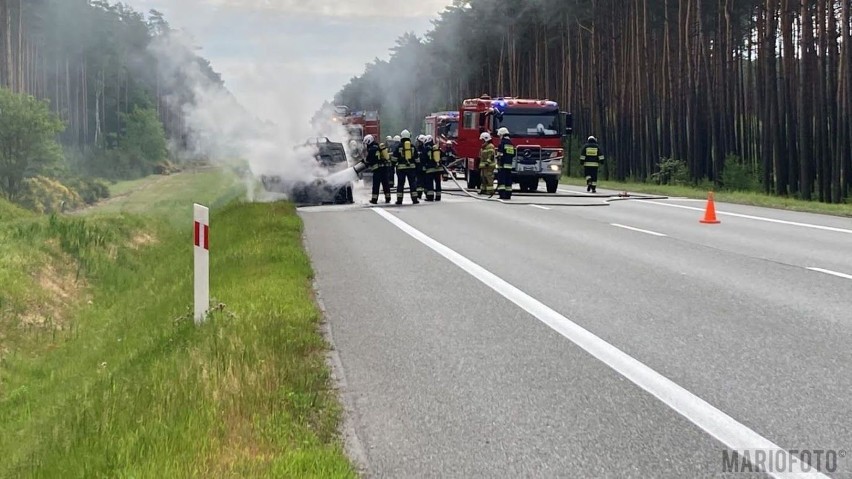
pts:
pixel 540 207
pixel 636 229
pixel 715 422
pixel 758 218
pixel 833 273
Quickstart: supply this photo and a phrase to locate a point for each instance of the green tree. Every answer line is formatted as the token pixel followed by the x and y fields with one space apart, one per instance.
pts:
pixel 144 138
pixel 27 140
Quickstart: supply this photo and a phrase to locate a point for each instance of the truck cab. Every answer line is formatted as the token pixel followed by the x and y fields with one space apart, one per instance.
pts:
pixel 537 129
pixel 444 128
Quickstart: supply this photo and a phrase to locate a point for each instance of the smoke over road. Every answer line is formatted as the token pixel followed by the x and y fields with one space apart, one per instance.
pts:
pixel 269 142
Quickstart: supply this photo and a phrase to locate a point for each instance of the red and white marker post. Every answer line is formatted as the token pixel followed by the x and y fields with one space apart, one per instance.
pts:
pixel 201 215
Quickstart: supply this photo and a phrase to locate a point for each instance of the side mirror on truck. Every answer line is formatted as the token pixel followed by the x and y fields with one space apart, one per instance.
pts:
pixel 568 118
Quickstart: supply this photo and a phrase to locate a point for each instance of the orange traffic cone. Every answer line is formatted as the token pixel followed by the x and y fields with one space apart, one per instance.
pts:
pixel 710 212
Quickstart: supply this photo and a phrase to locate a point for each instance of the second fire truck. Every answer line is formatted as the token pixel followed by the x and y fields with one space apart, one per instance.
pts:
pixel 537 128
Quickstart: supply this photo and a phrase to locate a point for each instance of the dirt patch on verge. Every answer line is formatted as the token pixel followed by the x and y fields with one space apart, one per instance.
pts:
pixel 59 291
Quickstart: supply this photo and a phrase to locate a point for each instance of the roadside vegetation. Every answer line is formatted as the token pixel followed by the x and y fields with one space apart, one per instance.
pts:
pixel 103 372
pixel 737 185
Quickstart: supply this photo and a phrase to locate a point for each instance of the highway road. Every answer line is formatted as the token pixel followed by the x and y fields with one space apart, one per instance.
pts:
pixel 602 339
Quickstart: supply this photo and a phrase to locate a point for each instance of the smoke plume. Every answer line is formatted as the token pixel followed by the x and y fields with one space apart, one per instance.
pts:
pixel 269 143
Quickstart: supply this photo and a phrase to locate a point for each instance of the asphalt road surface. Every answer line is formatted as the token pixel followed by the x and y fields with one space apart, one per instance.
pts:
pixel 586 336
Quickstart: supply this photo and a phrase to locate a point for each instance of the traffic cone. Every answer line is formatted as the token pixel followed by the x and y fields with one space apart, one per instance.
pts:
pixel 710 212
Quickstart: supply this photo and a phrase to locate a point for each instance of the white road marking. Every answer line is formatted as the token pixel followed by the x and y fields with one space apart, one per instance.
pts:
pixel 561 190
pixel 637 229
pixel 757 218
pixel 540 207
pixel 833 273
pixel 715 422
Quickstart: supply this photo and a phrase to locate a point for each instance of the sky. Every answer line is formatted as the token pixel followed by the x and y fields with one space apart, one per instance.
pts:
pixel 309 47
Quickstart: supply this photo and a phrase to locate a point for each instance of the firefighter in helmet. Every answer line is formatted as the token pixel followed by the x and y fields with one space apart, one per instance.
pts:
pixel 505 161
pixel 377 160
pixel 591 157
pixel 419 145
pixel 405 161
pixel 487 162
pixel 391 170
pixel 433 170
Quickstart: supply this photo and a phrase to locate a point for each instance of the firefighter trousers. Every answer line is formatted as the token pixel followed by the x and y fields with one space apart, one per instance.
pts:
pixel 432 180
pixel 403 174
pixel 591 177
pixel 380 178
pixel 487 175
pixel 422 181
pixel 391 173
pixel 504 182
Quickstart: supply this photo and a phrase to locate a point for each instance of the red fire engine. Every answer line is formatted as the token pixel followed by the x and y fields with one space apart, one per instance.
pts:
pixel 358 124
pixel 444 128
pixel 537 128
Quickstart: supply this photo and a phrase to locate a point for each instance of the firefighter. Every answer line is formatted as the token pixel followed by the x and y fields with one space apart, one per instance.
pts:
pixel 420 146
pixel 505 160
pixel 377 160
pixel 405 161
pixel 391 171
pixel 433 170
pixel 487 157
pixel 591 157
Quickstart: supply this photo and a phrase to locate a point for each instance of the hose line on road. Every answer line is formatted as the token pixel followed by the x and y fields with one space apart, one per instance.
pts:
pixel 607 198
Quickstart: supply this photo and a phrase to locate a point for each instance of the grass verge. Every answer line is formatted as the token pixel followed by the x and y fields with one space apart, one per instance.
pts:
pixel 736 197
pixel 126 385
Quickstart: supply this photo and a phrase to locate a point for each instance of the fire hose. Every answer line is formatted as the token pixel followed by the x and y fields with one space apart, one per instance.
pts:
pixel 607 198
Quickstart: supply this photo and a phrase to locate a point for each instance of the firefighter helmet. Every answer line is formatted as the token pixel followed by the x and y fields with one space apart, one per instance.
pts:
pixel 421 138
pixel 405 134
pixel 397 138
pixel 485 136
pixel 388 138
pixel 429 139
pixel 503 131
pixel 592 139
pixel 368 140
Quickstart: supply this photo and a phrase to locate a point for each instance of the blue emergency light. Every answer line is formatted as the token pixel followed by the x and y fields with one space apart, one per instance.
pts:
pixel 500 105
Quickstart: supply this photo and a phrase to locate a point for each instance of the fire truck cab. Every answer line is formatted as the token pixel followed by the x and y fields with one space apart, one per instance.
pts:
pixel 444 128
pixel 537 129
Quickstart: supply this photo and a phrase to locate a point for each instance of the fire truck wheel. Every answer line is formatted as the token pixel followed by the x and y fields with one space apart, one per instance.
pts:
pixel 473 180
pixel 552 184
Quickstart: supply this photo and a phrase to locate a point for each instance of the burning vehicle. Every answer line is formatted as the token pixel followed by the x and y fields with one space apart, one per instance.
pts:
pixel 333 188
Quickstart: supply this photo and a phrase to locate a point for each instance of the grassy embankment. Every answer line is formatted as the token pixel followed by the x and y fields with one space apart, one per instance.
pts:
pixel 736 197
pixel 103 372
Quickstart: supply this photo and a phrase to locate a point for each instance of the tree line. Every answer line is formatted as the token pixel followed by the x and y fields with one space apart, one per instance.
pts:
pixel 89 63
pixel 747 94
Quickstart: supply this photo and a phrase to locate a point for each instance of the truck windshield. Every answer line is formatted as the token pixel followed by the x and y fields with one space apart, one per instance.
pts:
pixel 450 129
pixel 530 124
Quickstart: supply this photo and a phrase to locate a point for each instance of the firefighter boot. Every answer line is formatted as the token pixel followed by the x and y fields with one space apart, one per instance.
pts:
pixel 387 199
pixel 374 201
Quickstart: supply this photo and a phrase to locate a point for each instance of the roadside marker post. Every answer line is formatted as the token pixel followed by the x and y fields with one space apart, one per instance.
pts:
pixel 201 222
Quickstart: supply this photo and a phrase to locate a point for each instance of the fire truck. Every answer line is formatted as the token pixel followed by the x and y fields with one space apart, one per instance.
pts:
pixel 537 128
pixel 357 124
pixel 444 128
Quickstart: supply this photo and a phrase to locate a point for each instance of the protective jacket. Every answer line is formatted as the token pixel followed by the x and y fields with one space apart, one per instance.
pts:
pixel 405 155
pixel 506 153
pixel 591 155
pixel 432 158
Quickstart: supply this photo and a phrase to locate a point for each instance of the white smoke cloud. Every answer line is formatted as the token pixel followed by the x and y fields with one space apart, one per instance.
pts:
pixel 225 132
